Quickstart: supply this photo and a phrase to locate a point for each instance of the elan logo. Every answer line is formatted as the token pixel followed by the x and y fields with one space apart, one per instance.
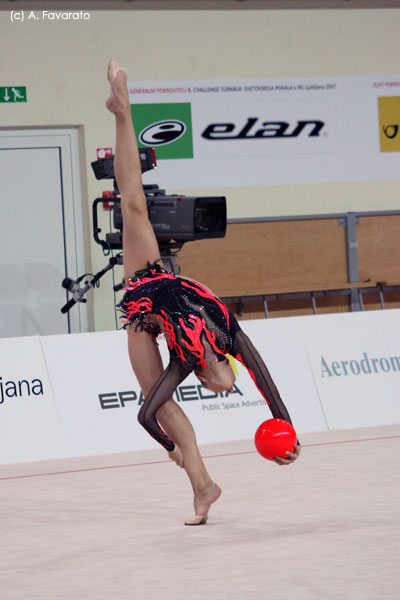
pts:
pixel 166 127
pixel 162 133
pixel 362 366
pixel 256 129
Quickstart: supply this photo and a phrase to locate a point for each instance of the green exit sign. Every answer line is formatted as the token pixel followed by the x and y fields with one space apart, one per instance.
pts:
pixel 13 93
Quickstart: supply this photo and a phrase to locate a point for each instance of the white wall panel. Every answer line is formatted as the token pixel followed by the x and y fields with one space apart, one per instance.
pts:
pixel 333 372
pixel 30 427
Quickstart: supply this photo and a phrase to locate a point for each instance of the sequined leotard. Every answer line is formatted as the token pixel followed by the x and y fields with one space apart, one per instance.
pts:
pixel 200 330
pixel 198 327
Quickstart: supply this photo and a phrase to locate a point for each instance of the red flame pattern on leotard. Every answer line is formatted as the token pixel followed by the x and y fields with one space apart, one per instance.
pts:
pixel 196 324
pixel 202 291
pixel 132 285
pixel 170 334
pixel 143 305
pixel 194 334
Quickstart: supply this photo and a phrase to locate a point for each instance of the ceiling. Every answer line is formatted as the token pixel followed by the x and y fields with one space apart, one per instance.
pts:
pixel 194 4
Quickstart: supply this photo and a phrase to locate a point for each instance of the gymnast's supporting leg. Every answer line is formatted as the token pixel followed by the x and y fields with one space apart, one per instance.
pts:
pixel 147 365
pixel 178 428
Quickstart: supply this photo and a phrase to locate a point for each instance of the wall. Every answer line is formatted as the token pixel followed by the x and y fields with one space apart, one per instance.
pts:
pixel 63 64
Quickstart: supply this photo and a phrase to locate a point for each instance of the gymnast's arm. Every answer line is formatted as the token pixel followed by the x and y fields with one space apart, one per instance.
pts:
pixel 157 384
pixel 244 351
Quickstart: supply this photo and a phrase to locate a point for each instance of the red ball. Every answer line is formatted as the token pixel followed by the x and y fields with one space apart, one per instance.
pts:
pixel 274 437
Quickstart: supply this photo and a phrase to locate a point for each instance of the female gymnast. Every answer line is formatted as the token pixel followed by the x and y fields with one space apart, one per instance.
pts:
pixel 199 328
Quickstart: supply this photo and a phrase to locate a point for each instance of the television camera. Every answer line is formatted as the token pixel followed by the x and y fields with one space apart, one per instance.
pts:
pixel 176 219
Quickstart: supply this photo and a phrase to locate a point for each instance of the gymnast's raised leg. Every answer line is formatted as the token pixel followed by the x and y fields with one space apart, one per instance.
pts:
pixel 139 247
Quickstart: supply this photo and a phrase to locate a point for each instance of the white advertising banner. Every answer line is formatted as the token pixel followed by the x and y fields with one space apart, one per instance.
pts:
pixel 30 427
pixel 279 343
pixel 96 392
pixel 98 396
pixel 219 133
pixel 236 416
pixel 355 360
pixel 74 395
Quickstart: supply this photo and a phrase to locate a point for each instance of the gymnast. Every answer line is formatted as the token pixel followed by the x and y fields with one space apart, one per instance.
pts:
pixel 199 328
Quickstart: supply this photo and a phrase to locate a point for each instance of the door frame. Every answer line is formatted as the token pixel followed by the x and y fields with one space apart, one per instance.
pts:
pixel 75 216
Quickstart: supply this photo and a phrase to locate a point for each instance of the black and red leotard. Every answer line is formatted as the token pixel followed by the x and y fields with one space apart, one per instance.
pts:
pixel 200 330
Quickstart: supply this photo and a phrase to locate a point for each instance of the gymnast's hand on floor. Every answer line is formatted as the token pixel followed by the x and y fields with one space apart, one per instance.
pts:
pixel 176 456
pixel 291 456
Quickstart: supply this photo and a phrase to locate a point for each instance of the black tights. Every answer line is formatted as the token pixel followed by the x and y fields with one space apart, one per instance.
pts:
pixel 161 391
pixel 244 351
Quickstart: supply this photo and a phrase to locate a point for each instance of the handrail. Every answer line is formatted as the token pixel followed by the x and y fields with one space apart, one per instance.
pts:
pixel 312 292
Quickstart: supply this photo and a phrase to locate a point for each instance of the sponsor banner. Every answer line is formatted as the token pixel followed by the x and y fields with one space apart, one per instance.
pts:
pixel 333 371
pixel 280 345
pixel 218 133
pixel 172 137
pixel 98 396
pixel 29 423
pixel 389 123
pixel 355 360
pixel 96 393
pixel 224 417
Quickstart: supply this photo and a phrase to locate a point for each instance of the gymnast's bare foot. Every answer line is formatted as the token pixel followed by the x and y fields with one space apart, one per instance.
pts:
pixel 202 503
pixel 118 101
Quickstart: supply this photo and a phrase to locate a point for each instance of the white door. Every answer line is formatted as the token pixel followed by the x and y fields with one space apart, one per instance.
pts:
pixel 41 237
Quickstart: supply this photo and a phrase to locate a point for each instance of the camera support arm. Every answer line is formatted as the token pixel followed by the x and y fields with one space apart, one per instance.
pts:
pixel 78 292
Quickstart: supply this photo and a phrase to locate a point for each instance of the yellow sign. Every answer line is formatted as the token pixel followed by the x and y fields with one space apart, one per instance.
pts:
pixel 389 123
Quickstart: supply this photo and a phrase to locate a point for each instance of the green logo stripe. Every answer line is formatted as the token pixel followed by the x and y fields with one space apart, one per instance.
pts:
pixel 166 127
